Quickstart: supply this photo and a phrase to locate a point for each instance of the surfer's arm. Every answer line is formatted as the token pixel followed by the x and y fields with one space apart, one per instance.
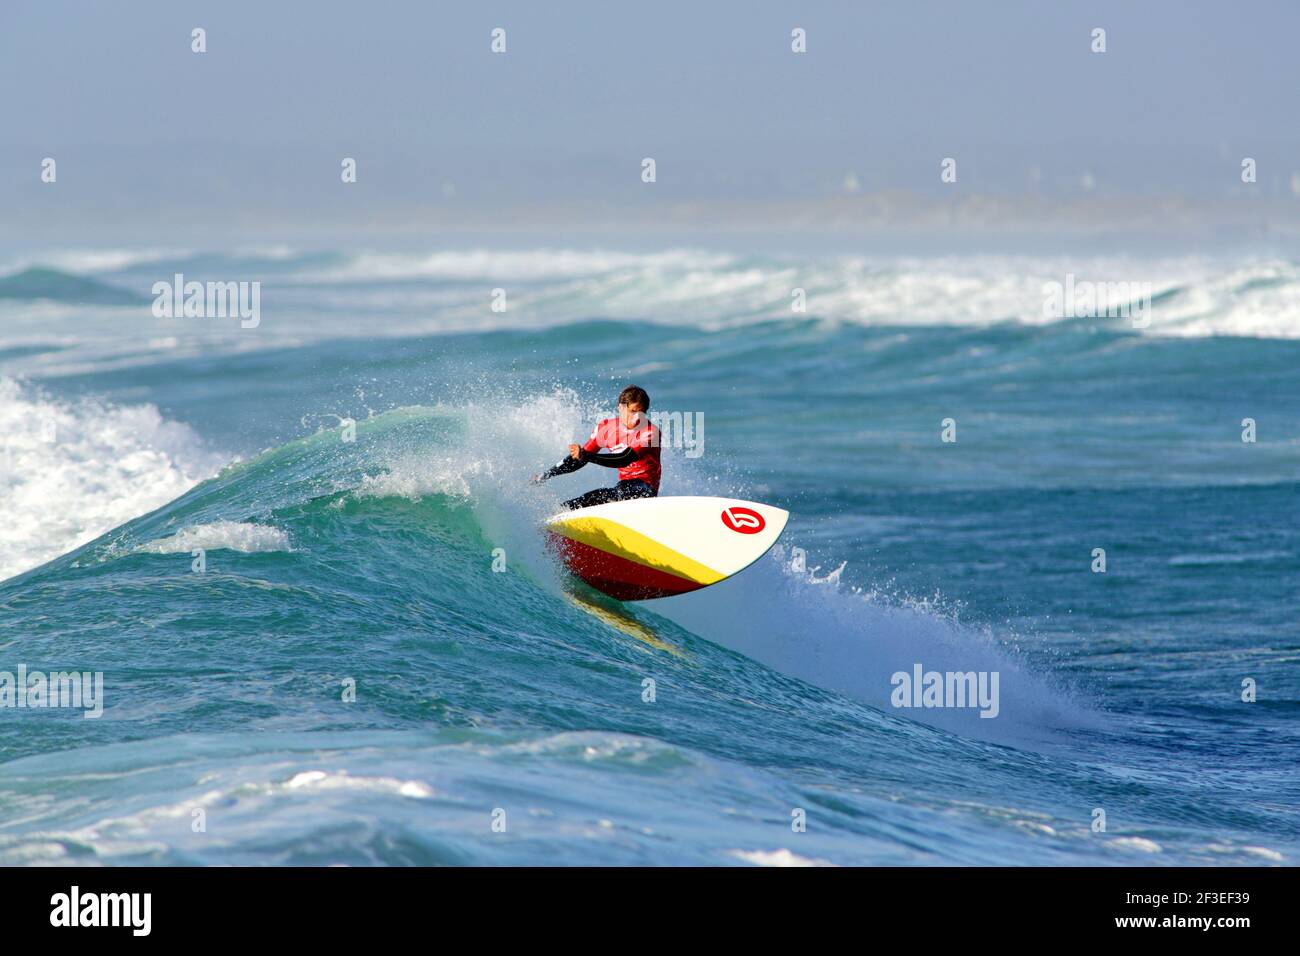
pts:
pixel 585 455
pixel 621 460
pixel 562 468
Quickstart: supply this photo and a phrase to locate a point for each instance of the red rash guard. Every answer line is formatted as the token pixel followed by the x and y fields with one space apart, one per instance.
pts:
pixel 642 441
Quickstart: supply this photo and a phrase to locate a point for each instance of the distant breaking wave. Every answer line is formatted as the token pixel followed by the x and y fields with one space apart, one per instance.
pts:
pixel 56 286
pixel 322 294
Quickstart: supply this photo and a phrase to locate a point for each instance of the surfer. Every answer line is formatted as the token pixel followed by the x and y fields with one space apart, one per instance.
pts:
pixel 632 444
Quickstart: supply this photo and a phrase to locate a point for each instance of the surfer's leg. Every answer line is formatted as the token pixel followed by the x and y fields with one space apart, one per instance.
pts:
pixel 633 488
pixel 622 491
pixel 599 496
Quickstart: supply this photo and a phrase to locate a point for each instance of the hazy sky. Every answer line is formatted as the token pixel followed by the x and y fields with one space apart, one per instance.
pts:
pixel 712 91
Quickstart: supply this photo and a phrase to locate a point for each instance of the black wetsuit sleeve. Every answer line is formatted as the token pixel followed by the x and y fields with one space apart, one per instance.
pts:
pixel 562 468
pixel 621 460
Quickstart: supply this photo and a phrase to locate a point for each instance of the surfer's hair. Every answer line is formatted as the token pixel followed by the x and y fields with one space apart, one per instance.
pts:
pixel 634 395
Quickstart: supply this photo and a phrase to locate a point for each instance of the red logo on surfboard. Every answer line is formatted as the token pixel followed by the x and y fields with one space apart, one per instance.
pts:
pixel 744 520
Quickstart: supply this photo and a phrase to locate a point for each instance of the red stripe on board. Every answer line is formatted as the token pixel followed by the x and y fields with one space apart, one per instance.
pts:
pixel 618 577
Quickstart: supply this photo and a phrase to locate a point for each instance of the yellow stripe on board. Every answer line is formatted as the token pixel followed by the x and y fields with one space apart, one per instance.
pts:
pixel 606 535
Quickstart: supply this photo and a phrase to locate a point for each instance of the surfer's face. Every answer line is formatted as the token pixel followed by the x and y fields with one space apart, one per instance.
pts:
pixel 629 415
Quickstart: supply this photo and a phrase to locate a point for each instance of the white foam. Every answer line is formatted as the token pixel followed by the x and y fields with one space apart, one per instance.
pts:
pixel 219 535
pixel 782 857
pixel 1258 299
pixel 83 261
pixel 521 265
pixel 1262 851
pixel 416 476
pixel 341 780
pixel 69 471
pixel 1140 844
pixel 499 451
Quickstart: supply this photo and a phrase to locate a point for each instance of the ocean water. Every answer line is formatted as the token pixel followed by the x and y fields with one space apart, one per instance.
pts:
pixel 498 720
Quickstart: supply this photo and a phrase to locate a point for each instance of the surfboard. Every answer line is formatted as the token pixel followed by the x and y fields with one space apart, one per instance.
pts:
pixel 657 547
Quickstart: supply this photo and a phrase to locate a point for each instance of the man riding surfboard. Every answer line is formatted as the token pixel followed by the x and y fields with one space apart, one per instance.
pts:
pixel 632 444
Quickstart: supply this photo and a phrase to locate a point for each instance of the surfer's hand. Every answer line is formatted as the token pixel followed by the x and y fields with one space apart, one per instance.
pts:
pixel 575 451
pixel 536 479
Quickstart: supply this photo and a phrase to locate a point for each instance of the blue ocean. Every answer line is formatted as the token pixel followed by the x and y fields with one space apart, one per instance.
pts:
pixel 304 554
